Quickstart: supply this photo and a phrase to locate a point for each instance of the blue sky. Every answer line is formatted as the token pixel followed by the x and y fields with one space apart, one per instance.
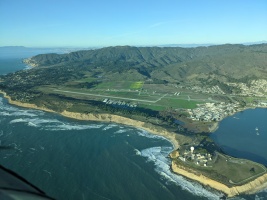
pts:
pixel 86 23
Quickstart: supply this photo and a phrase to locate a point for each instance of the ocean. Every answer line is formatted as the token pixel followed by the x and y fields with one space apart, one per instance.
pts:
pixel 71 159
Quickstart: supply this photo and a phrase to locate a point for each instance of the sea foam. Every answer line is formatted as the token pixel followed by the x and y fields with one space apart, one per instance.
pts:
pixel 157 155
pixel 67 127
pixel 109 126
pixel 144 133
pixel 20 120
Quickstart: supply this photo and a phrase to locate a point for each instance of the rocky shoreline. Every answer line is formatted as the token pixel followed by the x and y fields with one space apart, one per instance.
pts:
pixel 251 187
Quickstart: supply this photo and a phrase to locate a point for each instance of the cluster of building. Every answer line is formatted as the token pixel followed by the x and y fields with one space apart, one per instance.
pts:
pixel 255 88
pixel 119 103
pixel 209 90
pixel 212 111
pixel 197 158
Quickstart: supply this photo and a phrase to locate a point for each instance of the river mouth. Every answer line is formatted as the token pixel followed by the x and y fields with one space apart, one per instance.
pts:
pixel 244 135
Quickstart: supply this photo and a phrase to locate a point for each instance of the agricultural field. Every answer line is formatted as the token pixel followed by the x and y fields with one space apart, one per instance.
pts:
pixel 137 85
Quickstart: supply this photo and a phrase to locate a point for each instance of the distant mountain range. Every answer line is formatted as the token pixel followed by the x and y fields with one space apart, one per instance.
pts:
pixel 24 52
pixel 21 51
pixel 171 64
pixel 207 44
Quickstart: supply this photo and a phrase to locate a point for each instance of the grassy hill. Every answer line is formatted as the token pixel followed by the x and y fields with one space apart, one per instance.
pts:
pixel 172 64
pixel 161 79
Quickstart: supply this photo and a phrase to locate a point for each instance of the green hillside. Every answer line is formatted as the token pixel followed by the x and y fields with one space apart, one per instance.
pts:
pixel 166 63
pixel 152 84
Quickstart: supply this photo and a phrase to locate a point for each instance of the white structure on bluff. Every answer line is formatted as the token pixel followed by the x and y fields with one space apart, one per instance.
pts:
pixel 192 149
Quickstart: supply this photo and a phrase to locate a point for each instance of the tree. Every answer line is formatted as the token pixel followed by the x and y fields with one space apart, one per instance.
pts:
pixel 252 170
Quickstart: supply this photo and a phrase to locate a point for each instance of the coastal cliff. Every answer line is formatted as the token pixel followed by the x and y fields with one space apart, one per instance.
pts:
pixel 248 188
pixel 125 121
pixel 25 105
pixel 105 118
pixel 251 187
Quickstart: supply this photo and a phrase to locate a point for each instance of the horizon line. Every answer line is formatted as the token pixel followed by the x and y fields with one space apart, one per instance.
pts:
pixel 151 45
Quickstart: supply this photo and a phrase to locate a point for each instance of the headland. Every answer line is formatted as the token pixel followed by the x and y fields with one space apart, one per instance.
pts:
pixel 252 186
pixel 179 93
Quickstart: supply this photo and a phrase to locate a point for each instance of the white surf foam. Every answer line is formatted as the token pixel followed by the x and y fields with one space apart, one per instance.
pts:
pixel 64 126
pixel 41 121
pixel 6 109
pixel 144 133
pixel 23 113
pixel 109 126
pixel 54 124
pixel 32 124
pixel 137 152
pixel 20 120
pixel 33 121
pixel 4 114
pixel 157 155
pixel 121 131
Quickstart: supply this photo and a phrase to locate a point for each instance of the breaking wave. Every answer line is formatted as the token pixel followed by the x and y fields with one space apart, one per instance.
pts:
pixel 37 119
pixel 68 126
pixel 7 110
pixel 144 133
pixel 123 130
pixel 109 126
pixel 137 152
pixel 53 124
pixel 158 155
pixel 17 121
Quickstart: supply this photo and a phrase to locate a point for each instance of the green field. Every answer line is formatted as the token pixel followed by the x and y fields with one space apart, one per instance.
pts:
pixel 137 85
pixel 124 85
pixel 237 170
pixel 178 103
